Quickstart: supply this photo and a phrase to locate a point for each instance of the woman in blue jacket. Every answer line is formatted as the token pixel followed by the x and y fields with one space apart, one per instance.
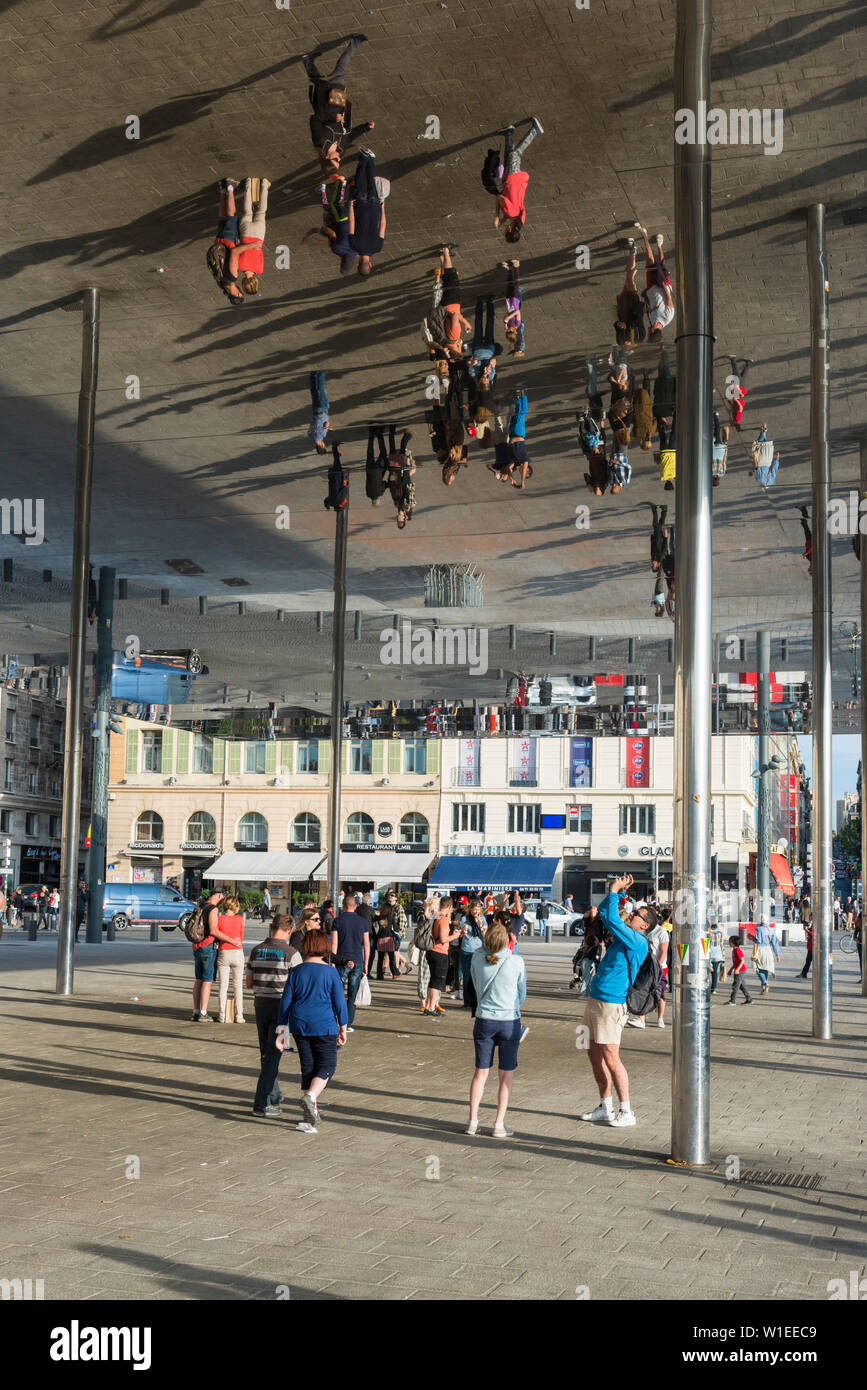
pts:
pixel 313 1010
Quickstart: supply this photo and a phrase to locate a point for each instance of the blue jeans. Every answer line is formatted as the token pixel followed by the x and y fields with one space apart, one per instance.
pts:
pixel 365 176
pixel 763 976
pixel 518 421
pixel 715 968
pixel 351 979
pixel 318 397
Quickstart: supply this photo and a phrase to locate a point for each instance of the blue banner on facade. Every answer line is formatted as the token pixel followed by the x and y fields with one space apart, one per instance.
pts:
pixel 581 762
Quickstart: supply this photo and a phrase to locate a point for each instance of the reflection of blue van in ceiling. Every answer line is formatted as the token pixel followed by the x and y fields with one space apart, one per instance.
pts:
pixel 164 679
pixel 126 903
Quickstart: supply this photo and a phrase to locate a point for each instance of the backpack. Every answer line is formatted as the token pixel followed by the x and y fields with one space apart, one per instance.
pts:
pixel 216 259
pixel 490 182
pixel 423 938
pixel 645 990
pixel 196 929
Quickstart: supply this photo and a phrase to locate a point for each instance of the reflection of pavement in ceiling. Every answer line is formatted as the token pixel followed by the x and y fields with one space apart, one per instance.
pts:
pixel 260 657
pixel 196 467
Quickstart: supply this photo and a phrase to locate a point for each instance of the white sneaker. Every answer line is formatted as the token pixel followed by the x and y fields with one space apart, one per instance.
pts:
pixel 658 240
pixel 661 1023
pixel 350 1030
pixel 634 1022
pixel 600 1116
pixel 306 1128
pixel 458 995
pixel 622 1119
pixel 524 1031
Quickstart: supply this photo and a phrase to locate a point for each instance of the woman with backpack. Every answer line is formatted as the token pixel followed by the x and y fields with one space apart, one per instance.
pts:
pixel 421 943
pixel 499 978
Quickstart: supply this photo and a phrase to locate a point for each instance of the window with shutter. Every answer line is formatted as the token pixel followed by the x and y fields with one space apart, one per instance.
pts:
pixel 271 752
pixel 433 756
pixel 377 757
pixel 324 755
pixel 287 755
pixel 183 761
pixel 219 755
pixel 131 750
pixel 234 759
pixel 395 760
pixel 344 758
pixel 168 740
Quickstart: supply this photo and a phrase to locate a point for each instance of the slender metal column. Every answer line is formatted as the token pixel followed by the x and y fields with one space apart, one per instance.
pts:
pixel 99 801
pixel 763 855
pixel 863 541
pixel 70 828
pixel 820 400
pixel 337 650
pixel 690 1119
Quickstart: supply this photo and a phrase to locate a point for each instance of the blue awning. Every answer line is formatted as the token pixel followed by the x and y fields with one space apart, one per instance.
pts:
pixel 519 871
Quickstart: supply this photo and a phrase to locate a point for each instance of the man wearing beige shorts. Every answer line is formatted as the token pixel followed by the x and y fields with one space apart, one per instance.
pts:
pixel 606 1010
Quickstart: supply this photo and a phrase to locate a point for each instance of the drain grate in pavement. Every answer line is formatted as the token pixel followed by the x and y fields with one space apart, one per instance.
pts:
pixel 759 1177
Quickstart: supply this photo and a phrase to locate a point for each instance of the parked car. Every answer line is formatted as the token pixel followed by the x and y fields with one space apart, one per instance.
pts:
pixel 560 920
pixel 149 679
pixel 125 904
pixel 566 690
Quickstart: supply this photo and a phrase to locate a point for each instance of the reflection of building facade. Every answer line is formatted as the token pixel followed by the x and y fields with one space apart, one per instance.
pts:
pixel 180 801
pixel 599 807
pixel 847 808
pixel 33 720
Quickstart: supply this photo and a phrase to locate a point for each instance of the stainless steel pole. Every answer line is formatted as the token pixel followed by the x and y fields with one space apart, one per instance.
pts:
pixel 820 398
pixel 763 848
pixel 690 1118
pixel 337 649
pixel 863 544
pixel 70 827
pixel 99 801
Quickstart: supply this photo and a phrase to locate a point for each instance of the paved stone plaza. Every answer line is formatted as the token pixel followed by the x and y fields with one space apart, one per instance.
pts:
pixel 231 1207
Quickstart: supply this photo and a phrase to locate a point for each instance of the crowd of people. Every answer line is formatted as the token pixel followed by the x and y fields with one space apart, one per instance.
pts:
pixel 469 403
pixel 311 974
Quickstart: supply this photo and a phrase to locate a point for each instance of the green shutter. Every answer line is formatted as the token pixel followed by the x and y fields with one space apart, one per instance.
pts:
pixel 287 755
pixel 234 758
pixel 168 749
pixel 344 757
pixel 183 763
pixel 395 755
pixel 270 757
pixel 131 751
pixel 377 757
pixel 219 755
pixel 324 755
pixel 433 756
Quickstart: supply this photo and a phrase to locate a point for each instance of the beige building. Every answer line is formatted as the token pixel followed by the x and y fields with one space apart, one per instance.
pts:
pixel 180 802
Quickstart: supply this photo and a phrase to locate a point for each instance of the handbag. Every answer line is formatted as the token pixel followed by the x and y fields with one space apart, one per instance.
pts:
pixel 385 942
pixel 362 998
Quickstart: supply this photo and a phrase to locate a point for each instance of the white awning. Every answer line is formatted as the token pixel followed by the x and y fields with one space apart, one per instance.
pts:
pixel 381 868
pixel 273 865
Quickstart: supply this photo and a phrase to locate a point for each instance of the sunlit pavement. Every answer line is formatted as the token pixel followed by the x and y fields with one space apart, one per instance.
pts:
pixel 390 1199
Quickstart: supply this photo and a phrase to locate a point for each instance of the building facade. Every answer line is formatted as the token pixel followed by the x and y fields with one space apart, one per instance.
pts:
pixel 33 721
pixel 179 801
pixel 597 806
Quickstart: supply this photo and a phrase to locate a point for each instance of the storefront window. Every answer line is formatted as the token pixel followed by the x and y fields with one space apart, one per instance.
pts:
pixel 201 828
pixel 149 826
pixel 414 829
pixel 253 830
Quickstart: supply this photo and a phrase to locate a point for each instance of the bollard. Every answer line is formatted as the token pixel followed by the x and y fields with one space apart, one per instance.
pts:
pixel 155 932
pixel 548 931
pixel 109 930
pixel 32 927
pixel 784 936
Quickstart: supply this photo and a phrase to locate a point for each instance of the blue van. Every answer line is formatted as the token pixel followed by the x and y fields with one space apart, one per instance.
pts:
pixel 128 903
pixel 150 680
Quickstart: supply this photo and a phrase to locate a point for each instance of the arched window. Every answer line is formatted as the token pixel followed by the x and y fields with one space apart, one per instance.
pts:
pixel 359 829
pixel 201 829
pixel 149 826
pixel 253 830
pixel 306 830
pixel 414 829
